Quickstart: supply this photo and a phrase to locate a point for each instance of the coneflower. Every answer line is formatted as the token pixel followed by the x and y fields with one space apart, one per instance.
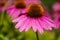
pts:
pixel 56 9
pixel 18 8
pixel 34 18
pixel 1 5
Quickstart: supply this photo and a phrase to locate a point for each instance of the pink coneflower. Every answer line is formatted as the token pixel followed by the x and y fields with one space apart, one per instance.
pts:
pixel 1 6
pixel 34 18
pixel 56 9
pixel 18 8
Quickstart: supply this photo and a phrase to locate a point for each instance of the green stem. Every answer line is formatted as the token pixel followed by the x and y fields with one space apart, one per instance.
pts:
pixel 2 17
pixel 37 36
pixel 56 35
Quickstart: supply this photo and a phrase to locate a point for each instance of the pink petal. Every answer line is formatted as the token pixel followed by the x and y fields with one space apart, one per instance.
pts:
pixel 28 26
pixel 16 14
pixel 34 26
pixel 23 11
pixel 20 22
pixel 49 19
pixel 12 11
pixel 43 24
pixel 18 19
pixel 10 7
pixel 51 24
pixel 57 23
pixel 39 27
pixel 8 11
pixel 24 25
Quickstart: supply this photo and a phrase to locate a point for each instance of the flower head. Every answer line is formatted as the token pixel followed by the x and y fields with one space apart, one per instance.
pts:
pixel 17 9
pixel 35 11
pixel 34 18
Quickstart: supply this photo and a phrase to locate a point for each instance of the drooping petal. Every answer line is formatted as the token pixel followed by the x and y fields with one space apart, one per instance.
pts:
pixel 20 22
pixel 51 24
pixel 23 26
pixel 34 26
pixel 44 25
pixel 18 19
pixel 11 12
pixel 29 25
pixel 49 19
pixel 39 27
pixel 16 14
pixel 10 7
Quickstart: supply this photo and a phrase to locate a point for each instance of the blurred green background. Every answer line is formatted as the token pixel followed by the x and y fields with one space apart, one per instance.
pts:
pixel 8 32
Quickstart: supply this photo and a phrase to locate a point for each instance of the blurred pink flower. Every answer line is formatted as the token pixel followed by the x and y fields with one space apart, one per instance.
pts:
pixel 56 9
pixel 17 9
pixel 34 18
pixel 1 6
pixel 57 19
